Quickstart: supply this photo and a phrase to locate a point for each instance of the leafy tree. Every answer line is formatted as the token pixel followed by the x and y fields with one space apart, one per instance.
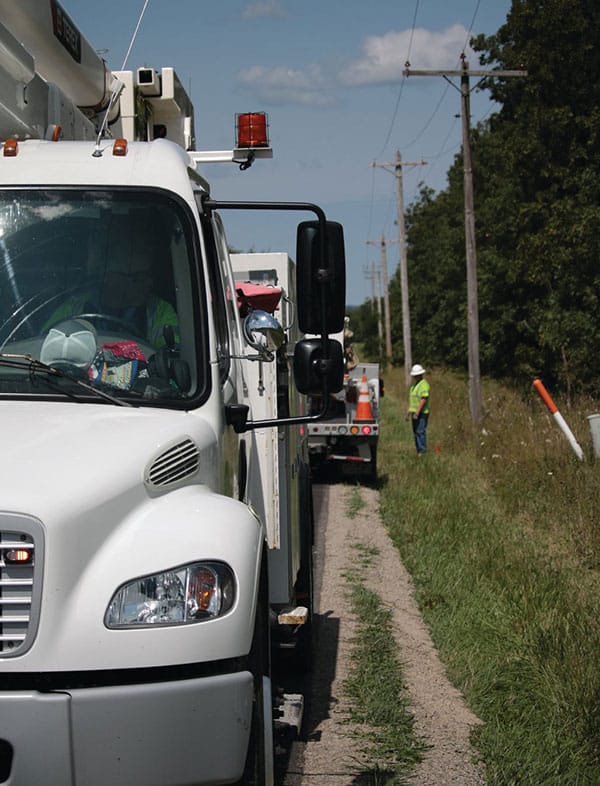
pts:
pixel 537 198
pixel 363 323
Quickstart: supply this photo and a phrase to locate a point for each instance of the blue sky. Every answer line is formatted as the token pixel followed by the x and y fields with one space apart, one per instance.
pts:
pixel 329 75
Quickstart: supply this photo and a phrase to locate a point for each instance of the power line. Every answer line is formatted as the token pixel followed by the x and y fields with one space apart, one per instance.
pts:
pixel 471 25
pixel 403 80
pixel 428 123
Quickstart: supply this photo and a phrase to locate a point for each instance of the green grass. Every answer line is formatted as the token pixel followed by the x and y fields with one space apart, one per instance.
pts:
pixel 356 502
pixel 499 529
pixel 380 707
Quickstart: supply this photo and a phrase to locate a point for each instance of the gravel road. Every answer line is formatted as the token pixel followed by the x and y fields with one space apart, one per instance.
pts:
pixel 328 755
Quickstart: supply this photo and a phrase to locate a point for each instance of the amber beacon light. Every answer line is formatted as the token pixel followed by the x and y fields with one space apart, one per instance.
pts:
pixel 252 130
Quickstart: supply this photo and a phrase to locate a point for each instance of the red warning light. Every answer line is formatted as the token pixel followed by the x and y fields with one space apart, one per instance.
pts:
pixel 252 130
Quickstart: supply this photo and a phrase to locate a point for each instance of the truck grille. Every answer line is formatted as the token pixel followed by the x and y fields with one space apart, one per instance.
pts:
pixel 19 593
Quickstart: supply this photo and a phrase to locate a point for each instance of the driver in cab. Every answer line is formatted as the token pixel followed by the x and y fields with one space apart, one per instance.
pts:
pixel 124 299
pixel 117 330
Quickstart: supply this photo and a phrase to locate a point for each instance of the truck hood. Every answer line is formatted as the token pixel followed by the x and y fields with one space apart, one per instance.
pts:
pixel 57 458
pixel 107 494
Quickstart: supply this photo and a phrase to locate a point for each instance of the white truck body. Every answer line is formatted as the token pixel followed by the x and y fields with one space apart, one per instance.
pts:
pixel 137 538
pixel 275 495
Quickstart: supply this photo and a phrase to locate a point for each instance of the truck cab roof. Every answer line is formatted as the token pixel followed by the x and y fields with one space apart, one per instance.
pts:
pixel 159 163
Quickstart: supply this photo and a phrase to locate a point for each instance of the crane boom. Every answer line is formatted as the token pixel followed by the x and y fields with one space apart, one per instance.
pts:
pixel 62 54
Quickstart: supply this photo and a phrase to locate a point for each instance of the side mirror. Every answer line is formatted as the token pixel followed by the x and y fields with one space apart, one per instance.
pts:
pixel 312 373
pixel 321 283
pixel 263 332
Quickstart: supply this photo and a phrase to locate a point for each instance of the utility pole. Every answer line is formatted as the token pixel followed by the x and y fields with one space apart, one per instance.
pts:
pixel 470 247
pixel 369 273
pixel 403 266
pixel 374 275
pixel 386 295
pixel 379 315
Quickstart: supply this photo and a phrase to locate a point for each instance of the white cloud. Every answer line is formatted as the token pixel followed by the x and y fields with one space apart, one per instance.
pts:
pixel 381 62
pixel 263 8
pixel 383 57
pixel 282 85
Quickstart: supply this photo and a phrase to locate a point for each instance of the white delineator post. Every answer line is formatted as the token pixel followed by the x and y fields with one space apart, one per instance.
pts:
pixel 547 399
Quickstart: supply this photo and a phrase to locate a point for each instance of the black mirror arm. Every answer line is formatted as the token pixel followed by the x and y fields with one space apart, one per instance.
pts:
pixel 236 419
pixel 236 415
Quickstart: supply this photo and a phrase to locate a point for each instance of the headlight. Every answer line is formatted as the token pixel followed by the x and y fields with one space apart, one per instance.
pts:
pixel 179 596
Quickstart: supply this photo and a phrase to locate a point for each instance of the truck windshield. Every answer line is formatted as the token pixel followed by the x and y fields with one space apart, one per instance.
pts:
pixel 103 285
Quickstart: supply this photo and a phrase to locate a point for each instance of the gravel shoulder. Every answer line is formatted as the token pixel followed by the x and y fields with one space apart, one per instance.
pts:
pixel 330 755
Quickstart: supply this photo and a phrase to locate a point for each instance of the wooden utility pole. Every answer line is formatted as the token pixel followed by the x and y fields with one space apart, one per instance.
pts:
pixel 470 247
pixel 471 253
pixel 379 315
pixel 374 275
pixel 403 266
pixel 386 295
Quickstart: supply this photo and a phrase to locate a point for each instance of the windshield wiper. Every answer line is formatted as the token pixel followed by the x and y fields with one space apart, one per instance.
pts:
pixel 33 366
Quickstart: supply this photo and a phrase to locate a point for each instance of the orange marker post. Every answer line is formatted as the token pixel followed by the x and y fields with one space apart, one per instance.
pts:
pixel 547 399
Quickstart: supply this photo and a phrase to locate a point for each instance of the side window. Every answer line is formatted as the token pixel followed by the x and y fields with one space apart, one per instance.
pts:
pixel 218 298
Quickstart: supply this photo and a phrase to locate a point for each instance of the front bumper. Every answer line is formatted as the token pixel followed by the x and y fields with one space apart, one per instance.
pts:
pixel 181 733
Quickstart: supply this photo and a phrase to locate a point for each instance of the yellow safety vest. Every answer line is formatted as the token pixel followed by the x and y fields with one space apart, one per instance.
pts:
pixel 418 391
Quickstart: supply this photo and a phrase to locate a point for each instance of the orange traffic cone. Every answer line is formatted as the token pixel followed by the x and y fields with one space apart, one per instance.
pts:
pixel 363 408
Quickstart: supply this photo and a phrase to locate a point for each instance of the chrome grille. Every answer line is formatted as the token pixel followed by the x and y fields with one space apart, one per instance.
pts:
pixel 174 465
pixel 17 567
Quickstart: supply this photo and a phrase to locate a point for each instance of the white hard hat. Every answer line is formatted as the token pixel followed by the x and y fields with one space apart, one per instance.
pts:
pixel 72 341
pixel 416 370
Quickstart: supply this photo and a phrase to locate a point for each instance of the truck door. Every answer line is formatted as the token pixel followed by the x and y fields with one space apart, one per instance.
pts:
pixel 226 325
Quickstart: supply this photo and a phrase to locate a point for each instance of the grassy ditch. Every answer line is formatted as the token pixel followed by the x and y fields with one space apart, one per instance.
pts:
pixel 380 706
pixel 499 529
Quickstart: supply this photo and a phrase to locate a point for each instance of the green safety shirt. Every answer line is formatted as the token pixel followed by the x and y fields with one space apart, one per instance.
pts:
pixel 418 391
pixel 158 313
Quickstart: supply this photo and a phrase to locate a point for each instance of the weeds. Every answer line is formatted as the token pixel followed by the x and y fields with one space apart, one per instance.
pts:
pixel 356 502
pixel 499 529
pixel 375 684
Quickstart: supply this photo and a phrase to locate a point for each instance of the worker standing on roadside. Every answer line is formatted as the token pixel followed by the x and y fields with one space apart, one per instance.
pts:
pixel 418 407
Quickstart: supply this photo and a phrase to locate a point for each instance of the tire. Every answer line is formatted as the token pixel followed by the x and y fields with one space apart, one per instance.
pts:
pixel 259 767
pixel 373 473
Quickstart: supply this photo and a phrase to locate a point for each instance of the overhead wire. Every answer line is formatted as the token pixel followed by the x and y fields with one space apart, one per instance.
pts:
pixel 428 123
pixel 402 81
pixel 430 120
pixel 471 25
pixel 394 115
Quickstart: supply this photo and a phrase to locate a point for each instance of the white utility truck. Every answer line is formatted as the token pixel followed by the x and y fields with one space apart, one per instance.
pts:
pixel 155 523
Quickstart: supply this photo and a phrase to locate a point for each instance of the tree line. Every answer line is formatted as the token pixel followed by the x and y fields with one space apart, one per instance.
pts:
pixel 536 167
